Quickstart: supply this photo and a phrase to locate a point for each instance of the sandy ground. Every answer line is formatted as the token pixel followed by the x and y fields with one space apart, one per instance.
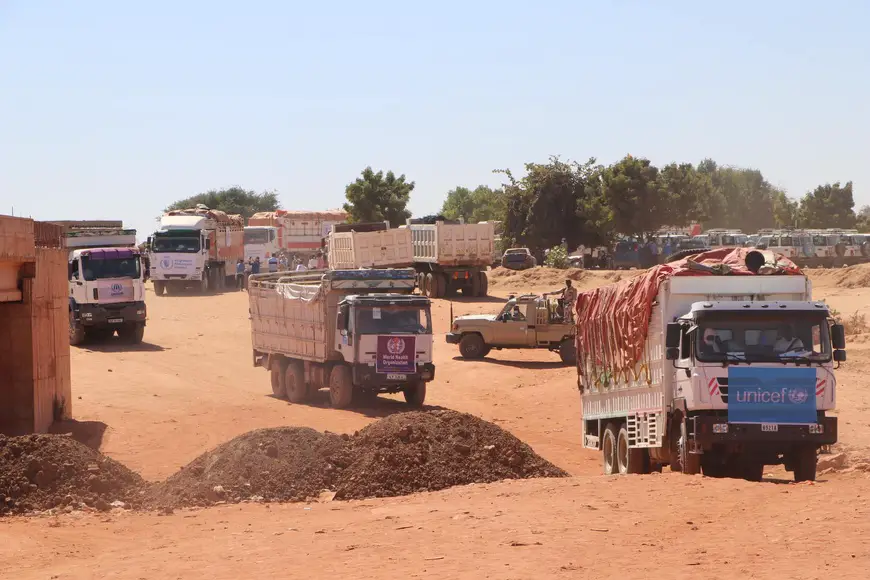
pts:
pixel 192 386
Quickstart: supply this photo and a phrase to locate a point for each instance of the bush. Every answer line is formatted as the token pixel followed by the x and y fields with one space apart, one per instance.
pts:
pixel 557 258
pixel 855 323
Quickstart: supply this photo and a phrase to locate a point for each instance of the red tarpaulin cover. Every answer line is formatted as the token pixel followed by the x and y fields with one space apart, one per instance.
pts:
pixel 612 321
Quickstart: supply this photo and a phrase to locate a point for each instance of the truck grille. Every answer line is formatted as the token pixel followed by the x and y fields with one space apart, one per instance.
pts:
pixel 723 388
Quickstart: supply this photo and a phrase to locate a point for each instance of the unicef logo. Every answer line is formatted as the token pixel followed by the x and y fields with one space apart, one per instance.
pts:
pixel 166 263
pixel 396 345
pixel 798 396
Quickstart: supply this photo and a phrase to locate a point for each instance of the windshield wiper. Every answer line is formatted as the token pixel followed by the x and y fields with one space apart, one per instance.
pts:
pixel 798 359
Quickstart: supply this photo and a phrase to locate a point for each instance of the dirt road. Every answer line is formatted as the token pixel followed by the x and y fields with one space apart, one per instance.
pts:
pixel 192 386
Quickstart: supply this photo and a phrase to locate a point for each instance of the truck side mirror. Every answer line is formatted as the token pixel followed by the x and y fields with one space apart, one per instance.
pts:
pixel 207 244
pixel 673 336
pixel 839 356
pixel 838 336
pixel 149 242
pixel 342 320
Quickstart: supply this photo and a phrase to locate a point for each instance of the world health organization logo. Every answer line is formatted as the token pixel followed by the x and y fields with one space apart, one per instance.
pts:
pixel 396 345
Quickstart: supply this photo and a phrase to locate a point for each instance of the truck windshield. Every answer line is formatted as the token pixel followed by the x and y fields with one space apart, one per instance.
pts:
pixel 757 337
pixel 259 236
pixel 393 320
pixel 113 268
pixel 179 245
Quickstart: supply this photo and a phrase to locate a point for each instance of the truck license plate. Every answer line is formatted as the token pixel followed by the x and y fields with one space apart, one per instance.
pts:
pixel 396 377
pixel 770 427
pixel 115 320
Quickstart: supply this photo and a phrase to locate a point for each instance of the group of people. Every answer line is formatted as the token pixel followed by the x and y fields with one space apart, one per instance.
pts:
pixel 275 263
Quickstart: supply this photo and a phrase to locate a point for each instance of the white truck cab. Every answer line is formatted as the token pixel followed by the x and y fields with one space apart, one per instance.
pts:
pixel 261 242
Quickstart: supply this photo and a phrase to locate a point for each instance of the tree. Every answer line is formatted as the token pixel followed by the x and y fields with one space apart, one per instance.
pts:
pixel 828 206
pixel 632 191
pixel 234 200
pixel 377 197
pixel 547 205
pixel 482 204
pixel 863 221
pixel 684 190
pixel 785 210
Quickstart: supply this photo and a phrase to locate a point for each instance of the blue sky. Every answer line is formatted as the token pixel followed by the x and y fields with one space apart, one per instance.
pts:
pixel 112 110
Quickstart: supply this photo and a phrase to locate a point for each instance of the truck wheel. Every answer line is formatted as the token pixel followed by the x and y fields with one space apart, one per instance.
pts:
pixel 608 449
pixel 132 333
pixel 159 287
pixel 690 463
pixel 430 285
pixel 754 471
pixel 203 284
pixel 340 387
pixel 294 383
pixel 276 371
pixel 76 330
pixel 442 286
pixel 567 352
pixel 472 346
pixel 629 460
pixel 415 394
pixel 475 285
pixel 484 283
pixel 805 461
pixel 421 283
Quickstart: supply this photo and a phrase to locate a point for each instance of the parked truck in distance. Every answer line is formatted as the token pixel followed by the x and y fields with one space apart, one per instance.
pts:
pixel 261 242
pixel 297 232
pixel 106 285
pixel 446 256
pixel 345 330
pixel 720 370
pixel 195 248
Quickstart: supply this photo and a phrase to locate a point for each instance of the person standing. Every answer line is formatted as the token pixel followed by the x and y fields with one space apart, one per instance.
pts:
pixel 569 300
pixel 273 263
pixel 312 262
pixel 255 267
pixel 240 274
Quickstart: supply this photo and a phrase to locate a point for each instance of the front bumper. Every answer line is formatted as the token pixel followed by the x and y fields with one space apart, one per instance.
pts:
pixel 365 376
pixel 709 431
pixel 453 338
pixel 111 314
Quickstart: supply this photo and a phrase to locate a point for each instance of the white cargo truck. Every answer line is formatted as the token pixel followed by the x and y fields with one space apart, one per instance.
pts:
pixel 195 248
pixel 345 330
pixel 261 242
pixel 447 256
pixel 721 374
pixel 106 285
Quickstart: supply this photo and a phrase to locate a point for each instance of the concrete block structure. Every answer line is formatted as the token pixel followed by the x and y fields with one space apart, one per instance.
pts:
pixel 35 385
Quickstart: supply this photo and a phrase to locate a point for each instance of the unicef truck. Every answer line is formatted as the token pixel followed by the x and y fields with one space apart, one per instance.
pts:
pixel 106 285
pixel 721 363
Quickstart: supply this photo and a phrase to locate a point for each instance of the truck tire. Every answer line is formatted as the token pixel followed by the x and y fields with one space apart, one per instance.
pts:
pixel 472 346
pixel 276 373
pixel 441 282
pixel 475 285
pixel 608 449
pixel 294 383
pixel 159 287
pixel 430 285
pixel 76 330
pixel 629 460
pixel 754 471
pixel 567 352
pixel 690 463
pixel 484 284
pixel 340 387
pixel 132 333
pixel 805 462
pixel 204 283
pixel 421 283
pixel 415 394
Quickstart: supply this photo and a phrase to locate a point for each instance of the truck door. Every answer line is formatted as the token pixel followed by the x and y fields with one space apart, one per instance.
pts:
pixel 513 329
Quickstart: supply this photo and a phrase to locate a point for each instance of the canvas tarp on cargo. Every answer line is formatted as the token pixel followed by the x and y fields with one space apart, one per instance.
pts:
pixel 290 319
pixel 613 320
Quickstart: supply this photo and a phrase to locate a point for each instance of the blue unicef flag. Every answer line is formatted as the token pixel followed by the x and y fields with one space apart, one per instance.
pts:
pixel 771 395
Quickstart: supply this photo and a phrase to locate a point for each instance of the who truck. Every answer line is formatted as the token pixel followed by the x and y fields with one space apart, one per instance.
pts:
pixel 195 248
pixel 446 256
pixel 721 363
pixel 106 285
pixel 346 330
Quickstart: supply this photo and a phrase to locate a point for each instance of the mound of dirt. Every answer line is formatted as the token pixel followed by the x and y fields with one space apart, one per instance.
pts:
pixel 850 277
pixel 426 451
pixel 401 454
pixel 40 472
pixel 541 276
pixel 278 464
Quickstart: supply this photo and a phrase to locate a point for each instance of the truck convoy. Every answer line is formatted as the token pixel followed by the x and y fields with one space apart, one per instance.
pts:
pixel 345 330
pixel 195 248
pixel 721 364
pixel 446 256
pixel 296 232
pixel 106 286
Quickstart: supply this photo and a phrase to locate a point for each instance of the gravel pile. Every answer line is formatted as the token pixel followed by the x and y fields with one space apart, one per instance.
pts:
pixel 41 472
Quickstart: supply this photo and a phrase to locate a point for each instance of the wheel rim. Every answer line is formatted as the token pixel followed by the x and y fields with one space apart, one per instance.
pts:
pixel 622 454
pixel 608 452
